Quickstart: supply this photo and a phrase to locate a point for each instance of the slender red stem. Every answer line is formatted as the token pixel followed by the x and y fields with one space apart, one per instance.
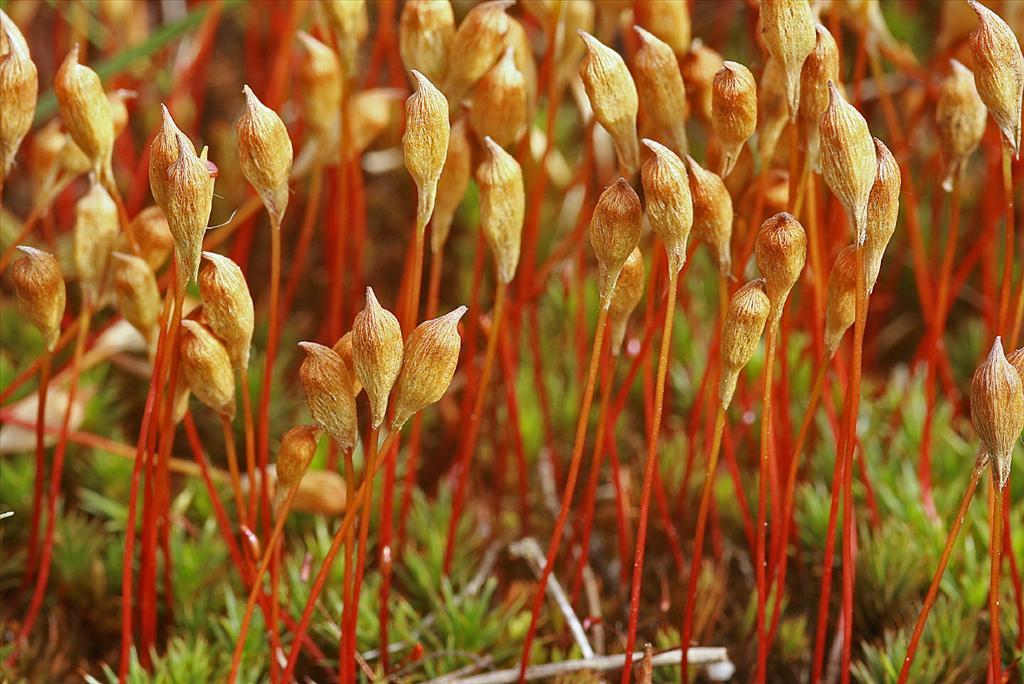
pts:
pixel 263 441
pixel 649 468
pixel 468 449
pixel 45 360
pixel 933 589
pixel 698 537
pixel 761 529
pixel 996 552
pixel 46 557
pixel 570 485
pixel 299 632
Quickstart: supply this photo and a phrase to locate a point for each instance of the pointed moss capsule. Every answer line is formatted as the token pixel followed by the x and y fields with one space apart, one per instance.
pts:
pixel 86 113
pixel 343 348
pixel 298 447
pixel 425 142
pixel 669 206
pixel 94 237
pixel 712 213
pixel 883 210
pixel 162 154
pixel 19 87
pixel 669 20
pixel 425 32
pixel 628 292
pixel 478 42
pixel 500 102
pixel 780 250
pixel 613 98
pixel 227 305
pixel 614 232
pixel 699 67
pixel 787 27
pixel 39 288
pixel 997 409
pixel 321 89
pixel 502 206
pixel 189 203
pixel 999 72
pixel 265 154
pixel 138 295
pixel 376 354
pixel 662 95
pixel 820 67
pixel 207 368
pixel 328 387
pixel 451 186
pixel 848 161
pixel 733 111
pixel 840 303
pixel 741 330
pixel 960 117
pixel 431 354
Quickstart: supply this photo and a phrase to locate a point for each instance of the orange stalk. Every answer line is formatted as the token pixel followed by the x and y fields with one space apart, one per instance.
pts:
pixel 570 484
pixel 761 528
pixel 649 467
pixel 45 360
pixel 933 589
pixel 468 448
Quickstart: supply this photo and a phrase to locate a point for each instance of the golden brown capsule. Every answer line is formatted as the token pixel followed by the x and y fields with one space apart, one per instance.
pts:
pixel 321 89
pixel 499 102
pixel 662 96
pixel 227 305
pixel 820 67
pixel 997 409
pixel 451 186
pixel 998 72
pixel 44 157
pixel 628 292
pixel 478 42
pixel 425 32
pixel 787 27
pixel 613 98
pixel 733 111
pixel 1016 359
pixel 614 233
pixel 207 368
pixel 712 213
pixel 118 108
pixel 883 210
pixel 94 237
pixel 19 87
pixel 773 110
pixel 298 447
pixel 744 322
pixel 39 288
pixel 189 203
pixel 848 161
pixel 841 300
pixel 138 295
pixel 350 25
pixel 86 113
pixel 425 142
pixel 368 115
pixel 162 154
pixel 322 492
pixel 960 118
pixel 669 20
pixel 431 354
pixel 502 206
pixel 780 251
pixel 699 67
pixel 343 348
pixel 577 15
pixel 265 154
pixel 376 354
pixel 329 395
pixel 152 236
pixel 522 54
pixel 669 206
